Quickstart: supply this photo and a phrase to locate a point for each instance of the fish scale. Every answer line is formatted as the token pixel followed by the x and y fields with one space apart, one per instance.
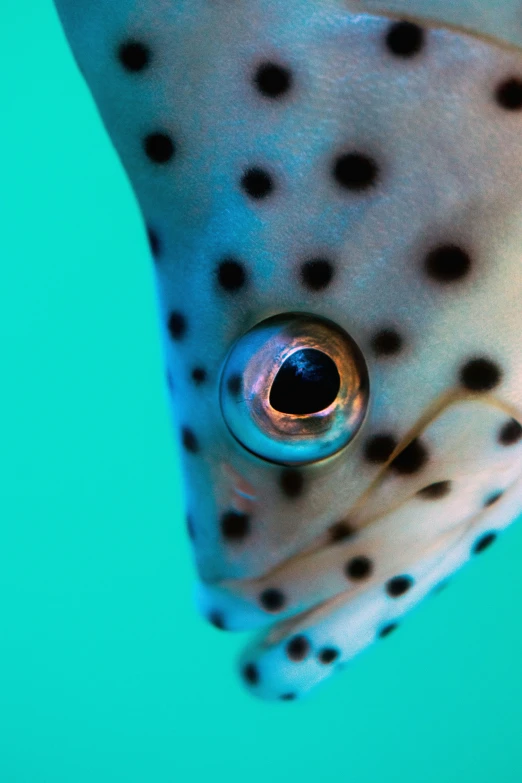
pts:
pixel 362 199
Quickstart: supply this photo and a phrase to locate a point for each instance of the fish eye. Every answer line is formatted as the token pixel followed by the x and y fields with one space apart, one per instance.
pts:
pixel 294 389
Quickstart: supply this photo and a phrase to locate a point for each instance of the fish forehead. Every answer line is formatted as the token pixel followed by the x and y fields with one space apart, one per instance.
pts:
pixel 449 162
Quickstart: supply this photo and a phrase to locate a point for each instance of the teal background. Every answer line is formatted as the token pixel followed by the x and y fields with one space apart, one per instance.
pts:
pixel 107 674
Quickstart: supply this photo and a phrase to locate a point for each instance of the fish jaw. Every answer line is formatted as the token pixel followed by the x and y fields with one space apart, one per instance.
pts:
pixel 240 192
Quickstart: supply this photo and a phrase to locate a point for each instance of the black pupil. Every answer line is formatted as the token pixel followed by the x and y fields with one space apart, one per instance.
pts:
pixel 307 382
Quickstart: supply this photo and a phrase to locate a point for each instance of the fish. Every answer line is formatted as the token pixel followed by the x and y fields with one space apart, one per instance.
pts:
pixel 332 197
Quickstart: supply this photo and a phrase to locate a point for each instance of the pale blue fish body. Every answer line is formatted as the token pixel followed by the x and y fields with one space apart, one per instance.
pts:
pixel 358 176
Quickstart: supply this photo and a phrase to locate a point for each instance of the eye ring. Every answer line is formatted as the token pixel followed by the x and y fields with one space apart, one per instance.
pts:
pixel 301 355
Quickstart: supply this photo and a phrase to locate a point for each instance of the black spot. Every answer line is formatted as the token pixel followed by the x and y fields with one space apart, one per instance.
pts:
pixel 359 567
pixel 170 382
pixel 273 80
pixel 190 441
pixel 291 482
pixel 480 375
pixel 387 342
pixel 272 599
pixel 235 385
pixel 447 264
pixel 298 648
pixel 510 433
pixel 251 674
pixel 231 275
pixel 341 531
pixel 405 39
pixel 134 56
pixel 190 528
pixel 288 697
pixel 177 325
pixel 411 459
pixel 386 630
pixel 355 171
pixel 159 147
pixel 307 382
pixel 484 542
pixel 398 585
pixel 154 243
pixel 379 448
pixel 492 499
pixel 235 526
pixel 509 94
pixel 257 183
pixel 435 491
pixel 328 654
pixel 199 375
pixel 317 273
pixel 217 619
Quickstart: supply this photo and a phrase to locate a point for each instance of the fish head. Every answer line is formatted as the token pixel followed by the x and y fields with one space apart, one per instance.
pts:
pixel 332 198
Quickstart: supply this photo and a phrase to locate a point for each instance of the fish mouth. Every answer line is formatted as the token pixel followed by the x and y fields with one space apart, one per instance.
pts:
pixel 297 653
pixel 311 583
pixel 301 620
pixel 275 626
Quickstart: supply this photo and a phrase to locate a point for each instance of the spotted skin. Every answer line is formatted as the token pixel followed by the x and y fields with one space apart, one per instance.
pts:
pixel 356 161
pixel 496 22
